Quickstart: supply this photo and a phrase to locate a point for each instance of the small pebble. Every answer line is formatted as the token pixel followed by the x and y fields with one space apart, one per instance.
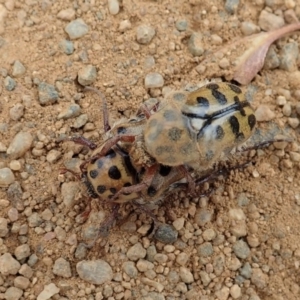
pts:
pixel 181 25
pixel 8 265
pixel 154 80
pixel 224 63
pixel 145 34
pixel 87 75
pixel 9 83
pixel 130 269
pixel 53 156
pixel 49 290
pixel 205 250
pixel 293 122
pixel 113 7
pixel 195 44
pixel 258 278
pixel 246 270
pixel 290 16
pixel 186 275
pixel 264 113
pixel 3 227
pixel 241 249
pixel 178 223
pixel 76 29
pixel 21 282
pixel 280 100
pixel 68 193
pixel 22 252
pixel 295 156
pixel 20 144
pixel 16 112
pixel 203 216
pixel 272 60
pixel 124 25
pixel 268 21
pixel 287 109
pixel 231 6
pixel 62 268
pixel 6 177
pixel 66 14
pixel 47 93
pixel 18 69
pixel 235 291
pixel 81 121
pixel 67 47
pixel 13 293
pixel 136 252
pixel 73 110
pixel 15 165
pixel 95 271
pixel 166 234
pixel 249 28
pixel 289 56
pixel 223 293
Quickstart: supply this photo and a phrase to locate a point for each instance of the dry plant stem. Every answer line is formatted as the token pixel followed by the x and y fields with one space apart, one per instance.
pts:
pixel 106 125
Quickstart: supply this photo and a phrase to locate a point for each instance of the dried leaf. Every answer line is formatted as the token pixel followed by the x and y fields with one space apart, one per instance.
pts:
pixel 247 54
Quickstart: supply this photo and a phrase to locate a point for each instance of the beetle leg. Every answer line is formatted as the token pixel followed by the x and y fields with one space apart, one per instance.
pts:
pixel 83 141
pixel 108 222
pixel 190 180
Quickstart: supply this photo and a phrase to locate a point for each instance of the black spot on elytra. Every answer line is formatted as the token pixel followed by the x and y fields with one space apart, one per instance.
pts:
pixel 164 170
pixel 170 115
pixel 121 130
pixel 212 86
pixel 251 121
pixel 221 98
pixel 234 125
pixel 114 173
pixel 240 137
pixel 111 153
pixel 113 190
pixel 93 174
pixel 174 134
pixel 235 88
pixel 151 191
pixel 219 133
pixel 202 102
pixel 101 189
pixel 126 185
pixel 240 105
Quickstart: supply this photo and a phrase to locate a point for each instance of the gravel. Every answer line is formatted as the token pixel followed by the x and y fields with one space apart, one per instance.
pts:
pixel 94 272
pixel 47 93
pixel 195 44
pixel 18 69
pixel 6 177
pixel 76 29
pixel 87 75
pixel 145 34
pixel 9 83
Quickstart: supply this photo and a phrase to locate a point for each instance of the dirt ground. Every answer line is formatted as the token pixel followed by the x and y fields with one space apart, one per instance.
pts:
pixel 259 205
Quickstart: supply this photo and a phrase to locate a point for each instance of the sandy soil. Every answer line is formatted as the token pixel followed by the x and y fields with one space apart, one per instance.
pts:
pixel 31 33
